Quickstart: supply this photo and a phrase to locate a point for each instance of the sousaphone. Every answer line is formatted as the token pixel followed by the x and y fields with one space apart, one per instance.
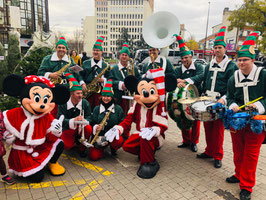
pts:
pixel 159 28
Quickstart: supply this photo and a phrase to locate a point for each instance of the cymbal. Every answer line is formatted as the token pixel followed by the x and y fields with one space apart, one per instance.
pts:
pixel 187 101
pixel 204 98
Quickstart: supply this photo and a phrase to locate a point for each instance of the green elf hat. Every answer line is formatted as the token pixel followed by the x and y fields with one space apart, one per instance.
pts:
pixel 107 89
pixel 73 83
pixel 247 48
pixel 184 50
pixel 98 43
pixel 220 39
pixel 125 49
pixel 62 41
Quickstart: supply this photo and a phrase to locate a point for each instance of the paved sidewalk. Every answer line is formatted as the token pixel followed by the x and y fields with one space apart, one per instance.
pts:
pixel 181 176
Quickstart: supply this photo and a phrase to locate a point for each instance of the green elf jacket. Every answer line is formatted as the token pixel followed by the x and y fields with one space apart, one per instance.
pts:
pixel 159 62
pixel 118 74
pixel 116 116
pixel 51 63
pixel 70 112
pixel 242 90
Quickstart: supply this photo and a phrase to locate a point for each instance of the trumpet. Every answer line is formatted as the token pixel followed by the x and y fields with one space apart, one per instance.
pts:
pixel 81 130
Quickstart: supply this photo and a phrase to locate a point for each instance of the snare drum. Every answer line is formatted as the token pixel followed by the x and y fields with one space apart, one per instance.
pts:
pixel 200 112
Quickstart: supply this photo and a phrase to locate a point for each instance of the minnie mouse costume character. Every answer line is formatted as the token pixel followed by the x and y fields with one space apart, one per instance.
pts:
pixel 35 133
pixel 148 112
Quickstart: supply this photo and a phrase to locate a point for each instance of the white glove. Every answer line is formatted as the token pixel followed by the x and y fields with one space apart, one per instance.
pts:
pixel 111 134
pixel 10 138
pixel 56 126
pixel 147 133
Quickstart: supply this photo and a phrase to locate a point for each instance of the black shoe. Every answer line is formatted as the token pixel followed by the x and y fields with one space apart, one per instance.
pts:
pixel 232 179
pixel 245 195
pixel 148 170
pixel 83 153
pixel 113 151
pixel 193 147
pixel 203 155
pixel 217 163
pixel 183 145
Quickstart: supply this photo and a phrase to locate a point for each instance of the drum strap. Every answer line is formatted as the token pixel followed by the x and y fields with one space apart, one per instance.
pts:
pixel 245 85
pixel 164 63
pixel 215 72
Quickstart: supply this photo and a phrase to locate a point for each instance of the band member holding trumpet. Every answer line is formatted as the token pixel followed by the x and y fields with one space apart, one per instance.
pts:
pixel 216 76
pixel 93 67
pixel 118 73
pixel 115 116
pixel 157 61
pixel 247 84
pixel 189 73
pixel 77 112
pixel 54 66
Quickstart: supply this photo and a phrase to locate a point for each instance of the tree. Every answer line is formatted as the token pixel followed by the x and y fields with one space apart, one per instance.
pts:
pixel 31 63
pixel 14 55
pixel 252 13
pixel 192 44
pixel 3 67
pixel 124 37
pixel 141 44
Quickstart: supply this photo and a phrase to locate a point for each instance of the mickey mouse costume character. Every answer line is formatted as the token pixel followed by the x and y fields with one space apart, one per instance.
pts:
pixel 35 133
pixel 148 112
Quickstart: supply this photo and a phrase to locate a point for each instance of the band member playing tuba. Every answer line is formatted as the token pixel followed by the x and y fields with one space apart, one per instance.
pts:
pixel 54 66
pixel 247 83
pixel 189 73
pixel 216 76
pixel 92 68
pixel 157 61
pixel 116 115
pixel 74 118
pixel 118 73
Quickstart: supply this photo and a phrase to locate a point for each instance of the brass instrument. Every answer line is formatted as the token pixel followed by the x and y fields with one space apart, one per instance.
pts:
pixel 103 123
pixel 94 86
pixel 59 80
pixel 154 65
pixel 81 130
pixel 130 67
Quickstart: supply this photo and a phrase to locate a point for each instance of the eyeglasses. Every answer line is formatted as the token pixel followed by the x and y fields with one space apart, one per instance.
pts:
pixel 243 60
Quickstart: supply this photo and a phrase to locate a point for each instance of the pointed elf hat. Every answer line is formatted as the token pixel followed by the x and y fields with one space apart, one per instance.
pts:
pixel 98 43
pixel 73 83
pixel 107 89
pixel 62 41
pixel 184 50
pixel 125 49
pixel 247 48
pixel 220 39
pixel 158 76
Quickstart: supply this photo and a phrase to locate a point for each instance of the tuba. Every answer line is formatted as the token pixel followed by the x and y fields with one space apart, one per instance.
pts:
pixel 159 28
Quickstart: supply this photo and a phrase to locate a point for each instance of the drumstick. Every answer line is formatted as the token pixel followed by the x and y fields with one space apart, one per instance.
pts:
pixel 260 117
pixel 251 102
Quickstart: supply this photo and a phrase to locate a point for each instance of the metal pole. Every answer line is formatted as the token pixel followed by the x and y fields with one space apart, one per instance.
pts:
pixel 206 29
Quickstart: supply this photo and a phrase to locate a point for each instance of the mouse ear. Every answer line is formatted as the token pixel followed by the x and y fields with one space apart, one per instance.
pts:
pixel 170 82
pixel 61 94
pixel 131 83
pixel 13 85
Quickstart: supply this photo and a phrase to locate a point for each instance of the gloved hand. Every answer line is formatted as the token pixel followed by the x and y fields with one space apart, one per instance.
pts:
pixel 10 138
pixel 147 133
pixel 111 134
pixel 56 126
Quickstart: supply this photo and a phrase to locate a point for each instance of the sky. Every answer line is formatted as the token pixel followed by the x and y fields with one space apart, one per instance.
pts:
pixel 66 15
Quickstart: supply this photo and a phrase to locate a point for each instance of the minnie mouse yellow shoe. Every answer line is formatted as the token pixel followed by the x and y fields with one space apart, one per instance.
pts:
pixel 56 169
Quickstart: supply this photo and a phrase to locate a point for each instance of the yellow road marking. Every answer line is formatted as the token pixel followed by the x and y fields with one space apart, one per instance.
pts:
pixel 87 165
pixel 84 192
pixel 18 186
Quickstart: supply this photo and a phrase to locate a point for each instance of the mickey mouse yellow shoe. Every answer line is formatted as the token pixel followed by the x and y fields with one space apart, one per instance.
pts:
pixel 56 169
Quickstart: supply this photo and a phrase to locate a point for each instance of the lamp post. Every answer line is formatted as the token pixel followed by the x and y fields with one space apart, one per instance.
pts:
pixel 206 29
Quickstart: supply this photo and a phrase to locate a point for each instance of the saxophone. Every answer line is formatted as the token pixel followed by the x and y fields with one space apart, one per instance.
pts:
pixel 94 86
pixel 130 68
pixel 103 123
pixel 59 80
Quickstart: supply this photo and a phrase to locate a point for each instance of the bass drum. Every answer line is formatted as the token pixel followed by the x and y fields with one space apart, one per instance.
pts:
pixel 176 110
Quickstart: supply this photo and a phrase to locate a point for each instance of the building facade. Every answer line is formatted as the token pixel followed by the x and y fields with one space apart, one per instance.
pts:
pixel 110 17
pixel 26 16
